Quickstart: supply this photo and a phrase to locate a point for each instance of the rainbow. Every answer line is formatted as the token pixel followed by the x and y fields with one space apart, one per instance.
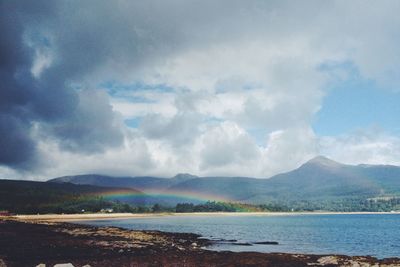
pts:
pixel 187 196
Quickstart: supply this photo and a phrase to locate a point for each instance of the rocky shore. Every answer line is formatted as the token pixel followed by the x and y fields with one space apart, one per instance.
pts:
pixel 27 243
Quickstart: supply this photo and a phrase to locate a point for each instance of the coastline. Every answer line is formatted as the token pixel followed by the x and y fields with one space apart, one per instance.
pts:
pixel 30 243
pixel 120 216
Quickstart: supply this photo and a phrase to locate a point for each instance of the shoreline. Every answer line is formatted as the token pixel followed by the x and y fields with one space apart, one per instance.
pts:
pixel 30 243
pixel 121 216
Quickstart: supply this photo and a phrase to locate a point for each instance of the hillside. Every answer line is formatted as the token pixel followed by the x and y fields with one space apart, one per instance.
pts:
pixel 41 197
pixel 142 183
pixel 319 179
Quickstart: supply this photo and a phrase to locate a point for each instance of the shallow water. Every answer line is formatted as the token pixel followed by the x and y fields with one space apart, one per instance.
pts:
pixel 350 234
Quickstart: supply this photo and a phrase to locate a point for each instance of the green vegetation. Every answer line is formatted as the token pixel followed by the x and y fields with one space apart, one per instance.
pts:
pixel 22 197
pixel 79 205
pixel 99 204
pixel 27 197
pixel 347 205
pixel 212 206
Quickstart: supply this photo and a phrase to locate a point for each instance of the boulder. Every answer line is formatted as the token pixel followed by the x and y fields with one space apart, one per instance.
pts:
pixel 328 260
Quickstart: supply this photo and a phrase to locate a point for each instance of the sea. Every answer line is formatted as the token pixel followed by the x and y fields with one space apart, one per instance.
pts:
pixel 376 235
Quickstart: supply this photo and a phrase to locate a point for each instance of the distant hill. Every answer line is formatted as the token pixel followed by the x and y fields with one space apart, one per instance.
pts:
pixel 42 197
pixel 155 187
pixel 319 179
pixel 143 183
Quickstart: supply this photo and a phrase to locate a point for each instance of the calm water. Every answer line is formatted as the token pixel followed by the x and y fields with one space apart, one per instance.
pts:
pixel 366 234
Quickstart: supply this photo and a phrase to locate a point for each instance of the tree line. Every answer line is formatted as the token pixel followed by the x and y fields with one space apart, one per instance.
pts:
pixel 99 204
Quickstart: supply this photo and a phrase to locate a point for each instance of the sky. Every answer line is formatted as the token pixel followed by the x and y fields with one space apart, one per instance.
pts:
pixel 212 88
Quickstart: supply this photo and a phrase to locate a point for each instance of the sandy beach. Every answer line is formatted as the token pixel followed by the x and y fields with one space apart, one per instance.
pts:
pixel 110 216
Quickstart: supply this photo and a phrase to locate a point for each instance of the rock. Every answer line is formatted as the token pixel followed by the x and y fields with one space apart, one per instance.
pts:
pixel 64 265
pixel 194 244
pixel 3 264
pixel 328 260
pixel 220 240
pixel 242 244
pixel 39 265
pixel 121 251
pixel 87 265
pixel 355 263
pixel 266 243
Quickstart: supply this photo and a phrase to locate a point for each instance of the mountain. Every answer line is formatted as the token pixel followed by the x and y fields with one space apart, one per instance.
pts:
pixel 155 187
pixel 40 197
pixel 143 183
pixel 319 179
pixel 223 188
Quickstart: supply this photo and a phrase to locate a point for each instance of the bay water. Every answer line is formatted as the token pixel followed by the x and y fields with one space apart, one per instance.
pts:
pixel 377 235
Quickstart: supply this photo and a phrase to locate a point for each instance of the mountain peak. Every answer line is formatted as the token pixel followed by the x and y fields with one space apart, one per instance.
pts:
pixel 323 161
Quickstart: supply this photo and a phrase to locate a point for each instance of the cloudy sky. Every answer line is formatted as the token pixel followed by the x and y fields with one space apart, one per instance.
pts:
pixel 244 88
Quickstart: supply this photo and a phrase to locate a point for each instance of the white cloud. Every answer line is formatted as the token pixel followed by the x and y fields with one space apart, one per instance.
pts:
pixel 369 146
pixel 134 158
pixel 288 149
pixel 245 81
pixel 42 61
pixel 43 54
pixel 227 149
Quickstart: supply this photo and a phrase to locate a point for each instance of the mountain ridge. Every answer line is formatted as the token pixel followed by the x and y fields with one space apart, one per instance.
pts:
pixel 317 179
pixel 317 160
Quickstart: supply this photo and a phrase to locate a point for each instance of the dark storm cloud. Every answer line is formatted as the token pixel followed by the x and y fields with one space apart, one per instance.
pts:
pixel 16 146
pixel 87 43
pixel 48 101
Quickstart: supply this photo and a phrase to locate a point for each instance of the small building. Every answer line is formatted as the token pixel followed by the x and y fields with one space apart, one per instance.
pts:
pixel 106 210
